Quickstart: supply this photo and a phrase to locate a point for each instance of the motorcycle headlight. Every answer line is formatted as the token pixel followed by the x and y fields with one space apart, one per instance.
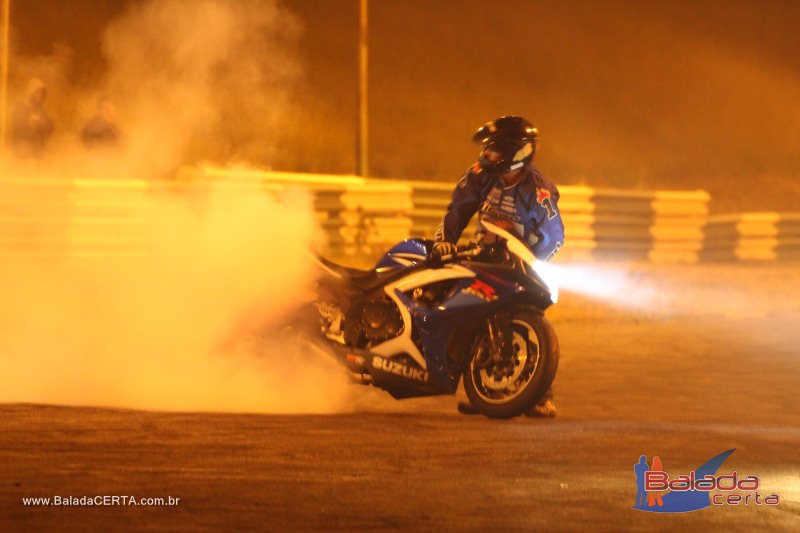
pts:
pixel 516 247
pixel 547 273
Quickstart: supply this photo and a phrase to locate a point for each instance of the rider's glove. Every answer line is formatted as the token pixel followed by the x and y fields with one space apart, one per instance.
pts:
pixel 443 248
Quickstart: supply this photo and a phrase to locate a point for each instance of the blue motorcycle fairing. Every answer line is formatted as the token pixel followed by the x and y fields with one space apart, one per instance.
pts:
pixel 470 300
pixel 403 254
pixel 484 288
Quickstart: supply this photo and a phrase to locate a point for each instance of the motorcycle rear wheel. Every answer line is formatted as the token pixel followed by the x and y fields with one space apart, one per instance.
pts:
pixel 510 388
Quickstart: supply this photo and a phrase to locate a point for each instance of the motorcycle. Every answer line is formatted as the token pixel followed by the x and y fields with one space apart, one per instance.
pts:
pixel 418 322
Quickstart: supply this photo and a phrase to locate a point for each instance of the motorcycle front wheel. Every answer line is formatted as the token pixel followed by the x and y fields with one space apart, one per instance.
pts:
pixel 508 387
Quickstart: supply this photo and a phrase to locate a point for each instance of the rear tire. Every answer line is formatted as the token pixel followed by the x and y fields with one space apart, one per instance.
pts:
pixel 495 393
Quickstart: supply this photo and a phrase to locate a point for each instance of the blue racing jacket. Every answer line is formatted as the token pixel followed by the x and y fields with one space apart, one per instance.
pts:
pixel 529 207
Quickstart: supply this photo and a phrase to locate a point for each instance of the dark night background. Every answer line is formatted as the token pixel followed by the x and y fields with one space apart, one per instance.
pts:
pixel 672 95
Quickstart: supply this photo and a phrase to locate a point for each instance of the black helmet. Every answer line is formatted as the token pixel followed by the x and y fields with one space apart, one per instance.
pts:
pixel 513 137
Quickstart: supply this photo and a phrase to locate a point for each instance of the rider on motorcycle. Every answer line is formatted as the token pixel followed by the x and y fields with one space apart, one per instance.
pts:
pixel 504 185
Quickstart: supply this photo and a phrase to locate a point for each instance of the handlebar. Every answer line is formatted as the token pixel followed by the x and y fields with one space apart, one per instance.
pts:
pixel 472 249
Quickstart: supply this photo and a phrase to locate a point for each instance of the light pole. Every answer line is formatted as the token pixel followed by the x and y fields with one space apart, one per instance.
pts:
pixel 362 134
pixel 4 82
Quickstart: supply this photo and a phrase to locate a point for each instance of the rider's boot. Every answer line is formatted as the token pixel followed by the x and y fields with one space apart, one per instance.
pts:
pixel 545 408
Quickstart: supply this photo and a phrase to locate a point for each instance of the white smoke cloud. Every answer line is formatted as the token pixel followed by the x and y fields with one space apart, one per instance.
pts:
pixel 153 332
pixel 193 81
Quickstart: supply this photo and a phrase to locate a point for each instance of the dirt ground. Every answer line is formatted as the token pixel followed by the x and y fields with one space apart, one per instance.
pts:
pixel 697 360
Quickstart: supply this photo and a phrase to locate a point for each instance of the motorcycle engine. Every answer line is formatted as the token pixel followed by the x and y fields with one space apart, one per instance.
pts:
pixel 379 320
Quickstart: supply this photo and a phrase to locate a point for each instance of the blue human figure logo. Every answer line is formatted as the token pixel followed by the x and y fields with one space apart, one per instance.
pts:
pixel 641 469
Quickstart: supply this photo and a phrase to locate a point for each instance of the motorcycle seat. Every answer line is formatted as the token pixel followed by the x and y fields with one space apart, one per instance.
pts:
pixel 363 279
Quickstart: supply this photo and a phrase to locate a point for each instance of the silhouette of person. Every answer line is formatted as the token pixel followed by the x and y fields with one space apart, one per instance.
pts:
pixel 654 497
pixel 30 124
pixel 101 130
pixel 640 469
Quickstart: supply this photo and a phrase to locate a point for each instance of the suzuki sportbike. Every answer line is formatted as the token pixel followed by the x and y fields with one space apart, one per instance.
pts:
pixel 416 323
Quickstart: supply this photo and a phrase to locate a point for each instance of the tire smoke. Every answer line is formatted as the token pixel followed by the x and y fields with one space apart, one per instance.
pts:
pixel 191 85
pixel 156 332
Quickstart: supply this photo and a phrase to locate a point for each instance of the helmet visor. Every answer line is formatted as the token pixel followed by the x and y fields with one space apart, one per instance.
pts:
pixel 493 160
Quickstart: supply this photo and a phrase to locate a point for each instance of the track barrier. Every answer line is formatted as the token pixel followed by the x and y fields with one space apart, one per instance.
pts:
pixel 361 217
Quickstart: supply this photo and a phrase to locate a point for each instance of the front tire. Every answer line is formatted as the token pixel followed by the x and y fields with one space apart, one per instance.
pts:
pixel 506 389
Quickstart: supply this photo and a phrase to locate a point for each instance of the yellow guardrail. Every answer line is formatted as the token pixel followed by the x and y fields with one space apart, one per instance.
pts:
pixel 765 236
pixel 362 217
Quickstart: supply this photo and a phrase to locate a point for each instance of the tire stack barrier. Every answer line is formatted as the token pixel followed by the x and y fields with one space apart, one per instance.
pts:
pixel 76 218
pixel 109 217
pixel 360 217
pixel 71 218
pixel 34 215
pixel 662 226
pixel 763 236
pixel 429 202
pixel 577 212
pixel 375 215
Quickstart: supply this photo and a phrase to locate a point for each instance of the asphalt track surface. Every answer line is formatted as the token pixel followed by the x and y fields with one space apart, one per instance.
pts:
pixel 708 362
